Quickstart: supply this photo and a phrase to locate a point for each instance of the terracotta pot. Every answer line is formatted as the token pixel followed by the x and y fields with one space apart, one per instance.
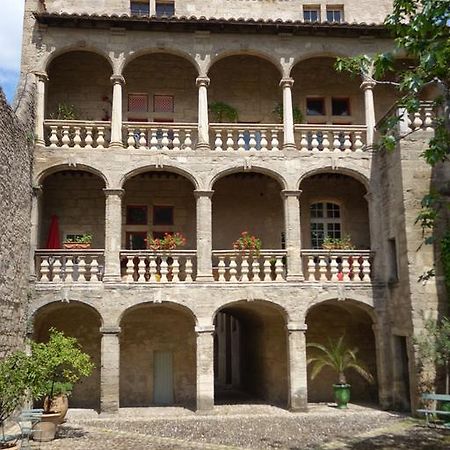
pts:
pixel 58 404
pixel 45 429
pixel 76 245
pixel 10 446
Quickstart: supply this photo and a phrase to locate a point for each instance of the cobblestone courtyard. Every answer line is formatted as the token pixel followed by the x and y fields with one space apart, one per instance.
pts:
pixel 246 427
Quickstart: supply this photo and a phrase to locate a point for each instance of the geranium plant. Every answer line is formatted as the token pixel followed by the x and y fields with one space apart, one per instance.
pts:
pixel 248 242
pixel 344 243
pixel 168 242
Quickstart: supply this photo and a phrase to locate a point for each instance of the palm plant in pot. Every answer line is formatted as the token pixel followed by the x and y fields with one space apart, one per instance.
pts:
pixel 340 358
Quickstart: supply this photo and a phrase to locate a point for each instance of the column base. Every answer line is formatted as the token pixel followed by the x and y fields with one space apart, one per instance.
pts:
pixel 295 409
pixel 40 142
pixel 295 277
pixel 112 278
pixel 289 147
pixel 203 146
pixel 204 278
pixel 204 406
pixel 116 144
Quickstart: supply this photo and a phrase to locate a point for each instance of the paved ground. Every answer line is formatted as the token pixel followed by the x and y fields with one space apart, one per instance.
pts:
pixel 246 427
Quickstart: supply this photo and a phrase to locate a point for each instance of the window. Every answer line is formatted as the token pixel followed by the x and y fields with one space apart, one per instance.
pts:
pixel 163 103
pixel 136 240
pixel 340 106
pixel 163 215
pixel 311 13
pixel 140 8
pixel 165 8
pixel 137 215
pixel 138 102
pixel 325 222
pixel 335 14
pixel 315 106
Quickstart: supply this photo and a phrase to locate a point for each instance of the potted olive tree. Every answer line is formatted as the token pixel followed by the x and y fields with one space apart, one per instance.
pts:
pixel 339 358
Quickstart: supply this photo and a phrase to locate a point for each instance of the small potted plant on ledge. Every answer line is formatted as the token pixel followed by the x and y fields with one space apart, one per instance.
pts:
pixel 248 243
pixel 296 113
pixel 168 242
pixel 344 243
pixel 78 242
pixel 339 358
pixel 222 112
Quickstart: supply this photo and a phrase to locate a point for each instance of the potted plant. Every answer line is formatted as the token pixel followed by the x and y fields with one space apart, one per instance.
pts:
pixel 81 242
pixel 59 363
pixel 344 243
pixel 339 358
pixel 64 112
pixel 296 113
pixel 222 112
pixel 168 242
pixel 14 383
pixel 248 243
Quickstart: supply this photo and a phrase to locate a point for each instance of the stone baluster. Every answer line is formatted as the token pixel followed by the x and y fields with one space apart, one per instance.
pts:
pixel 131 141
pixel 54 139
pixel 94 270
pixel 347 143
pixel 221 268
pixel 203 121
pixel 325 142
pixel 110 369
pixel 218 142
pixel 165 140
pixel 241 140
pixel 298 385
pixel 334 269
pixel 113 234
pixel 279 269
pixel 188 269
pixel 345 268
pixel 129 270
pixel 41 81
pixel 245 272
pixel 56 270
pixel 336 142
pixel 82 269
pixel 233 268
pixel 205 367
pixel 365 269
pixel 263 142
pixel 153 269
pixel 77 138
pixel 65 137
pixel 267 268
pixel 358 144
pixel 288 116
pixel 164 269
pixel 88 140
pixel 311 268
pixel 176 143
pixel 369 108
pixel 417 121
pixel 252 141
pixel 204 235
pixel 323 268
pixel 428 121
pixel 153 140
pixel 314 143
pixel 44 269
pixel 175 270
pixel 141 269
pixel 143 140
pixel 100 137
pixel 116 111
pixel 68 268
pixel 275 143
pixel 304 143
pixel 187 140
pixel 230 141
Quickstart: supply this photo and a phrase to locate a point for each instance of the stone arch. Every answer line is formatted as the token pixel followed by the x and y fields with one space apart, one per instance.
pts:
pixel 350 170
pixel 157 341
pixel 40 177
pixel 250 353
pixel 316 54
pixel 355 320
pixel 82 321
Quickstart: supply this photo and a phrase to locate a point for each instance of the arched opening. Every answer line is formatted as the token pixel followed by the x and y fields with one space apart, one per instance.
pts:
pixel 157 356
pixel 79 87
pixel 329 321
pixel 250 354
pixel 83 323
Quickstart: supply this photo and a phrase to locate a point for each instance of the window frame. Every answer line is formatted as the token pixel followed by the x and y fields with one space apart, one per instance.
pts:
pixel 127 216
pixel 334 9
pixel 144 3
pixel 159 3
pixel 142 94
pixel 310 9
pixel 326 222
pixel 165 224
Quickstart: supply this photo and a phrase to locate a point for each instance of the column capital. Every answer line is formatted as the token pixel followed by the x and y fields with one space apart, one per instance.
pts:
pixel 204 329
pixel 109 330
pixel 41 76
pixel 367 84
pixel 286 82
pixel 296 326
pixel 108 192
pixel 117 79
pixel 37 190
pixel 291 193
pixel 202 81
pixel 198 194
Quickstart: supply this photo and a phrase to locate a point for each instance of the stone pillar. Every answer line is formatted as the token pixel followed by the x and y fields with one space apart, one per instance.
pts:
pixel 369 107
pixel 41 80
pixel 221 336
pixel 203 122
pixel 113 234
pixel 205 368
pixel 288 116
pixel 298 382
pixel 116 111
pixel 110 370
pixel 293 235
pixel 35 222
pixel 204 235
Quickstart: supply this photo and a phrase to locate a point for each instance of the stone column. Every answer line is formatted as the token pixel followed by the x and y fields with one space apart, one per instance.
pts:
pixel 369 107
pixel 116 111
pixel 205 368
pixel 293 235
pixel 288 116
pixel 204 235
pixel 41 80
pixel 35 219
pixel 113 234
pixel 203 122
pixel 298 383
pixel 110 370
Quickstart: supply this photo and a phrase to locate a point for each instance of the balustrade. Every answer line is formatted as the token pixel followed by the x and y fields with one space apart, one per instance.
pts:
pixel 69 266
pixel 337 265
pixel 420 120
pixel 147 266
pixel 331 138
pixel 77 134
pixel 161 136
pixel 236 266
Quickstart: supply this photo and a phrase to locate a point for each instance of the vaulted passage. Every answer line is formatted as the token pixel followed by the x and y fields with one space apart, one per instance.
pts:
pixel 250 354
pixel 157 357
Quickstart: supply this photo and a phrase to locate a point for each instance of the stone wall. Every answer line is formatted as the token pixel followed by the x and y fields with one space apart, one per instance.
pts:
pixel 15 203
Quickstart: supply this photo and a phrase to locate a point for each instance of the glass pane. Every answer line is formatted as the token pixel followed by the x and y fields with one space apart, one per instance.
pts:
pixel 163 215
pixel 340 106
pixel 140 9
pixel 165 9
pixel 136 215
pixel 315 107
pixel 333 210
pixel 317 210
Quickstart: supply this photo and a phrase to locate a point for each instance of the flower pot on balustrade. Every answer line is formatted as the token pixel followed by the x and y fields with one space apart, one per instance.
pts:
pixel 76 246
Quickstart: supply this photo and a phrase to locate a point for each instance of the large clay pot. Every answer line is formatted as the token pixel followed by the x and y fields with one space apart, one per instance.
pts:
pixel 341 395
pixel 58 404
pixel 11 446
pixel 45 429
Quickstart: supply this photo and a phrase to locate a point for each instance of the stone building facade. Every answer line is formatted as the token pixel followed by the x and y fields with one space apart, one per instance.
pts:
pixel 127 149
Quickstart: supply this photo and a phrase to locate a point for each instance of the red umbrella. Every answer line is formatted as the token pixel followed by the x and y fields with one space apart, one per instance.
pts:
pixel 53 234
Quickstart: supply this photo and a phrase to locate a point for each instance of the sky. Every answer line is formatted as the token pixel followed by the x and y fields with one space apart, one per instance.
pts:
pixel 11 19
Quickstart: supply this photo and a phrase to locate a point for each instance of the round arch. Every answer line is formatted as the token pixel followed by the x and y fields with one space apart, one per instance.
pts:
pixel 59 167
pixel 148 51
pixel 353 172
pixel 316 55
